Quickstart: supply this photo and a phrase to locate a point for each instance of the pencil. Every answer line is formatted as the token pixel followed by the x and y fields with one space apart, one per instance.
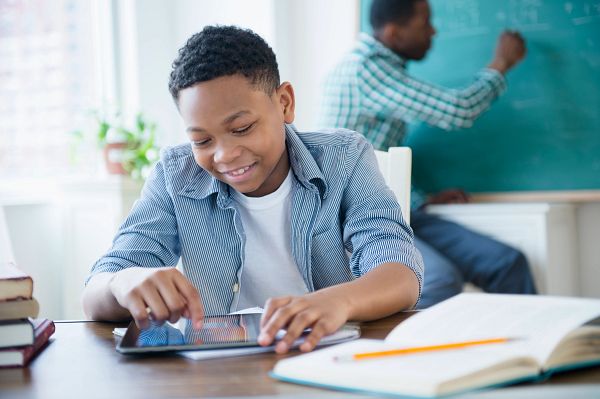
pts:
pixel 419 349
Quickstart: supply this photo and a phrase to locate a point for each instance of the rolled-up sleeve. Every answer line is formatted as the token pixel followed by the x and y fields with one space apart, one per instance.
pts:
pixel 374 228
pixel 390 91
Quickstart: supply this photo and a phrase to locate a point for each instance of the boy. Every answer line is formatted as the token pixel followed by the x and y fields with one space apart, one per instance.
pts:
pixel 260 214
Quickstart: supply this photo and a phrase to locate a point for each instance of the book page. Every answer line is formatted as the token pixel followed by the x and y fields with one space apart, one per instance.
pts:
pixel 419 374
pixel 539 322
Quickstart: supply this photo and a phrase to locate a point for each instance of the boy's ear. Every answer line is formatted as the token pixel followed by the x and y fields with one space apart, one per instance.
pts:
pixel 287 102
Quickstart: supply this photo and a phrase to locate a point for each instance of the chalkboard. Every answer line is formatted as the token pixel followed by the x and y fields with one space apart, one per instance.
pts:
pixel 544 132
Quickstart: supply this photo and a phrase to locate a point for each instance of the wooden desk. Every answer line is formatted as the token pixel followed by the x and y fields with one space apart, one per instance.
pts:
pixel 81 362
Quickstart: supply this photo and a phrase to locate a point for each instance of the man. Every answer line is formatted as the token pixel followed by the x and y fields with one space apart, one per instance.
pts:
pixel 371 92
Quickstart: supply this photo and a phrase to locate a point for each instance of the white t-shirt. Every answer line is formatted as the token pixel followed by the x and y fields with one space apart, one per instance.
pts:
pixel 269 269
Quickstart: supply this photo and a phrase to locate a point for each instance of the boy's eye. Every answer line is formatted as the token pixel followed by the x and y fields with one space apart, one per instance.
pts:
pixel 200 143
pixel 243 129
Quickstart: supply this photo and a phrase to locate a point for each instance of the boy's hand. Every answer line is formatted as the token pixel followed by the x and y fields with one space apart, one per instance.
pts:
pixel 323 311
pixel 160 294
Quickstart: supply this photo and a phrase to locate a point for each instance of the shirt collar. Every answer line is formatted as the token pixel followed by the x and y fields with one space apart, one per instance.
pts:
pixel 203 184
pixel 369 45
pixel 303 163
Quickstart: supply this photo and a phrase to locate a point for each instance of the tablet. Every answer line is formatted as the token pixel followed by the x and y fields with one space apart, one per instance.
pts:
pixel 229 331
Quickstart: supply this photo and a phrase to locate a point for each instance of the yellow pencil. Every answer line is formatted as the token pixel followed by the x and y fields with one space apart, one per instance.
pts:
pixel 418 349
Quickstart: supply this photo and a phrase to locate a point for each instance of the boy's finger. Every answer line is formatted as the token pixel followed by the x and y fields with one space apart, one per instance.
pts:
pixel 296 327
pixel 172 297
pixel 271 307
pixel 311 341
pixel 280 319
pixel 194 307
pixel 157 305
pixel 137 308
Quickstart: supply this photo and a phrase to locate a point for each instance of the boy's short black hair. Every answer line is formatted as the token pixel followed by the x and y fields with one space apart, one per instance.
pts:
pixel 394 11
pixel 219 51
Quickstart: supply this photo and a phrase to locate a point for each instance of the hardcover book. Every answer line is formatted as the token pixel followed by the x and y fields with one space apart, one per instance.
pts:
pixel 20 357
pixel 19 309
pixel 16 333
pixel 14 283
pixel 544 335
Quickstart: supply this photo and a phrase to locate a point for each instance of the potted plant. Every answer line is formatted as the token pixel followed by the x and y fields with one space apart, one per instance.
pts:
pixel 127 150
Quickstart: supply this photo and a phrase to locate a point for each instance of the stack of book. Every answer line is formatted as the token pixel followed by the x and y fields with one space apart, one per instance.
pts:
pixel 22 336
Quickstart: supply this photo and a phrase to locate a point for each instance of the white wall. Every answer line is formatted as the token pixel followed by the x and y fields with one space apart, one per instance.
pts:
pixel 312 36
pixel 308 37
pixel 35 233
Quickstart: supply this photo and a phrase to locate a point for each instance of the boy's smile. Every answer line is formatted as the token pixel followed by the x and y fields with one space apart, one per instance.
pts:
pixel 237 131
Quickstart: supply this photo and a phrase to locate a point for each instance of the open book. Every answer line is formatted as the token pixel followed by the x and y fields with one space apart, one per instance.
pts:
pixel 551 335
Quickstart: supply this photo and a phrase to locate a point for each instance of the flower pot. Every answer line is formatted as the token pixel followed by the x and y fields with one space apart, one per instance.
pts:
pixel 113 157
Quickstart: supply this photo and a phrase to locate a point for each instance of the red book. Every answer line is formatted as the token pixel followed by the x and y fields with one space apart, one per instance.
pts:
pixel 20 357
pixel 14 283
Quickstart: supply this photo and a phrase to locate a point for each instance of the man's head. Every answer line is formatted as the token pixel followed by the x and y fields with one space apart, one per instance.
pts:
pixel 225 83
pixel 404 26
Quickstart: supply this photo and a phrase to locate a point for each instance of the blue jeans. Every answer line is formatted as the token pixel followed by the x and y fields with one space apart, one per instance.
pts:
pixel 454 255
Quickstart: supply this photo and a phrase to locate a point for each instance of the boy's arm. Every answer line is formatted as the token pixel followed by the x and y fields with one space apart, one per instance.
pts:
pixel 383 255
pixel 133 278
pixel 384 290
pixel 131 292
pixel 98 301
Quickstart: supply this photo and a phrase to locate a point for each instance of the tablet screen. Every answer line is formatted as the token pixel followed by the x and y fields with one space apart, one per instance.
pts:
pixel 228 331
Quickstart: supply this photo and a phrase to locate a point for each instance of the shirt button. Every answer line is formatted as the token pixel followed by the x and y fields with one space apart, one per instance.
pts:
pixel 236 287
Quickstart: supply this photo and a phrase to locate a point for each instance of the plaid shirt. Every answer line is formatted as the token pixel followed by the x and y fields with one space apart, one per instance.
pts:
pixel 371 92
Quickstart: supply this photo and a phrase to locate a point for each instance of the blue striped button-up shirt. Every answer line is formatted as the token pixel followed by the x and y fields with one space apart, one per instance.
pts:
pixel 345 221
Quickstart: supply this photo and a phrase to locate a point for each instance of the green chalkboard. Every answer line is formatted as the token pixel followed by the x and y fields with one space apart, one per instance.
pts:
pixel 544 132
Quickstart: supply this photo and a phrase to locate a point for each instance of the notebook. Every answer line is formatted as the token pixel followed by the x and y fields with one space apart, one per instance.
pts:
pixel 551 336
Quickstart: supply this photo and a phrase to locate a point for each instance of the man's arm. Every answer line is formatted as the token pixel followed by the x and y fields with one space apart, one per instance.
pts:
pixel 387 90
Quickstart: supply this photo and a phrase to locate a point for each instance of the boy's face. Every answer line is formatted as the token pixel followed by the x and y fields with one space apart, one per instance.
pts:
pixel 237 131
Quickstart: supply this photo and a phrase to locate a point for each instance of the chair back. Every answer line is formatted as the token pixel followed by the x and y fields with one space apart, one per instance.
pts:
pixel 395 166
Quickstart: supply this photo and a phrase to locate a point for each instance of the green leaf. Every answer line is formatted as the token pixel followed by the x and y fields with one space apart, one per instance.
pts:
pixel 103 128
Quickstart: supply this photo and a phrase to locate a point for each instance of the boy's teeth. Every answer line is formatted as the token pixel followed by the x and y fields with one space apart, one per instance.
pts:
pixel 240 171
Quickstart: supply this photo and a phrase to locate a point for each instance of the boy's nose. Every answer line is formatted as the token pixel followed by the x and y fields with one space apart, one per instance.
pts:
pixel 227 153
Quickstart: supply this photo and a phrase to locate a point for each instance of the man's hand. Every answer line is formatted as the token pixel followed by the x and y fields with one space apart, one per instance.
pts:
pixel 322 311
pixel 158 294
pixel 509 51
pixel 454 196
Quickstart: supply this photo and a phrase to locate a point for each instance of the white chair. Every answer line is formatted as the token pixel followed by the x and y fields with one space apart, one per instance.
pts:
pixel 395 166
pixel 6 253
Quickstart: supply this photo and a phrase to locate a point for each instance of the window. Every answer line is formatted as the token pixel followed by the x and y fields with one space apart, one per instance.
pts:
pixel 48 80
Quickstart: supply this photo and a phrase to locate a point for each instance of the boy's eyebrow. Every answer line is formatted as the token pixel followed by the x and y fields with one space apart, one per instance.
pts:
pixel 233 117
pixel 226 121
